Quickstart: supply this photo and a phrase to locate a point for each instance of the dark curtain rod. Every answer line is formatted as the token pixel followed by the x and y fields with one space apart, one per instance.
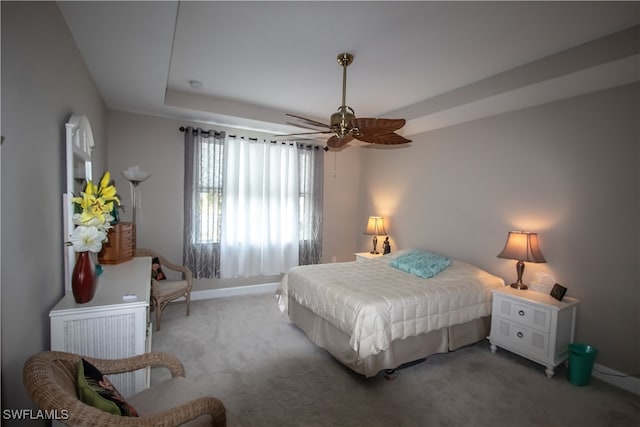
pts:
pixel 195 130
pixel 208 132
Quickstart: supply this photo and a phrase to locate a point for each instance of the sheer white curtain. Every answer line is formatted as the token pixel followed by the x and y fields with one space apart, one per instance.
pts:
pixel 260 209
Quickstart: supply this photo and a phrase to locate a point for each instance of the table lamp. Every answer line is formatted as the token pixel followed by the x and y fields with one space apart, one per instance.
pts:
pixel 522 246
pixel 375 227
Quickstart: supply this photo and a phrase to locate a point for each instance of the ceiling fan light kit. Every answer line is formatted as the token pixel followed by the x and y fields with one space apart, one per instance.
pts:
pixel 346 126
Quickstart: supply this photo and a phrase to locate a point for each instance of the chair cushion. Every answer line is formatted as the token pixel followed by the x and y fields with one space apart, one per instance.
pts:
pixel 96 390
pixel 169 394
pixel 156 269
pixel 169 287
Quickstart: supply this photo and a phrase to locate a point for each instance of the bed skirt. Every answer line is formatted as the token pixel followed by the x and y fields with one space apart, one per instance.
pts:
pixel 336 342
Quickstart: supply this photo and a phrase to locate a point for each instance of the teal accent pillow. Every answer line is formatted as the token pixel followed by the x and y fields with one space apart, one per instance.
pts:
pixel 420 263
pixel 96 390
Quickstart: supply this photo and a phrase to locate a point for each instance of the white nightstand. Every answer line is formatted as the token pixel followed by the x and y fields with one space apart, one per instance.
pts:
pixel 533 325
pixel 360 256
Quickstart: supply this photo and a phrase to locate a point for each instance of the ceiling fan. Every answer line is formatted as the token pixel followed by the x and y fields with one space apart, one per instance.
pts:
pixel 346 126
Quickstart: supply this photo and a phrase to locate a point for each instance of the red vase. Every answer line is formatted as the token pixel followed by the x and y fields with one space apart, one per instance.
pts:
pixel 83 279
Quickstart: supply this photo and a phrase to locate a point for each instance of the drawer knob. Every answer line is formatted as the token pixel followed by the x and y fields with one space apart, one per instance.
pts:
pixel 519 334
pixel 521 312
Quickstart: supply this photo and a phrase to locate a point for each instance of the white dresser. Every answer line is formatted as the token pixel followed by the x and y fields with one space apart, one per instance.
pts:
pixel 114 325
pixel 533 325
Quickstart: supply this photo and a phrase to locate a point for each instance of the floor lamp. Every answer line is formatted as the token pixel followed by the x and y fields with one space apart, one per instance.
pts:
pixel 135 176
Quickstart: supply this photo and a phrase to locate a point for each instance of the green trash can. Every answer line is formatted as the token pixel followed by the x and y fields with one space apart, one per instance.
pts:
pixel 581 359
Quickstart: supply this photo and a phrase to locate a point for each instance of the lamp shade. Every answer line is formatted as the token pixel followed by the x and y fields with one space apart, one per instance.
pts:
pixel 134 174
pixel 522 246
pixel 375 226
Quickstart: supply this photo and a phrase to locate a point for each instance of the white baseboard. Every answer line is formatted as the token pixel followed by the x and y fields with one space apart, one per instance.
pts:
pixel 618 379
pixel 600 372
pixel 235 291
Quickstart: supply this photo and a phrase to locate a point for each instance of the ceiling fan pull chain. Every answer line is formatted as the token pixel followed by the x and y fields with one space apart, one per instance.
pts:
pixel 335 164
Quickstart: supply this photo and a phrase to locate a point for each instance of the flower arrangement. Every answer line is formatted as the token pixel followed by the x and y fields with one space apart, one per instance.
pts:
pixel 92 215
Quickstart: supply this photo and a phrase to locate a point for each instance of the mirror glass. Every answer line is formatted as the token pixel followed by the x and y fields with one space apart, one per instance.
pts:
pixel 79 146
pixel 80 167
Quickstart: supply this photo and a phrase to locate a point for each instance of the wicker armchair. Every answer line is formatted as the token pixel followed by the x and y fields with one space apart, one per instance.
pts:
pixel 166 291
pixel 50 381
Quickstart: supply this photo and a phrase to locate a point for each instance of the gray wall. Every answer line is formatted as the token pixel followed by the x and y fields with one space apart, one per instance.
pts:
pixel 44 81
pixel 567 170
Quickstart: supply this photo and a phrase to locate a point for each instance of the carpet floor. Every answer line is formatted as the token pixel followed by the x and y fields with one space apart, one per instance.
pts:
pixel 265 370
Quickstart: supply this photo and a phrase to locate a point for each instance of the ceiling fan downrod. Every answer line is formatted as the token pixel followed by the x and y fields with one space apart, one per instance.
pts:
pixel 344 59
pixel 340 120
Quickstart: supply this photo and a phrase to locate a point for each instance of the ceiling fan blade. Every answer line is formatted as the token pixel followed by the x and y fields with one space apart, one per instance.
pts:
pixel 305 133
pixel 370 125
pixel 336 142
pixel 309 121
pixel 388 138
pixel 298 125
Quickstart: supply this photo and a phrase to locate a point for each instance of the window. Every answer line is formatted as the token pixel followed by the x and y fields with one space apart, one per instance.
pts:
pixel 311 170
pixel 251 208
pixel 206 229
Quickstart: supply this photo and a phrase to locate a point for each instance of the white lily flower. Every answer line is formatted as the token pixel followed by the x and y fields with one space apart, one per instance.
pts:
pixel 93 222
pixel 107 222
pixel 86 238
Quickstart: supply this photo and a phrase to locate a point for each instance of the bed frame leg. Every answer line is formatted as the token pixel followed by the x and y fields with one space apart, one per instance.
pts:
pixel 390 374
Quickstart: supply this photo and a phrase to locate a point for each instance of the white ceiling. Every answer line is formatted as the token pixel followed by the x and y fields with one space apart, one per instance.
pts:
pixel 433 63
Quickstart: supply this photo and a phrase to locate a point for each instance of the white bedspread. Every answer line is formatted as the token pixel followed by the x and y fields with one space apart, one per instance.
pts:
pixel 375 303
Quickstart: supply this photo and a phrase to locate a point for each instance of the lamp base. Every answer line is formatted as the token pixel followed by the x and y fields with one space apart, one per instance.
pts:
pixel 518 284
pixel 375 244
pixel 374 252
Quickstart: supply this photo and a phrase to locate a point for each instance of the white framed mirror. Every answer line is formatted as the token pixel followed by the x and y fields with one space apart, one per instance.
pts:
pixel 79 146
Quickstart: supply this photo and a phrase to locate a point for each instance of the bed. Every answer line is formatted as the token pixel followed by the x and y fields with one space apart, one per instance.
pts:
pixel 372 316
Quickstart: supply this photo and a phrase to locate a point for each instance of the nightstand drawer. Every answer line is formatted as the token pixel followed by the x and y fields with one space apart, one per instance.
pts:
pixel 525 314
pixel 526 339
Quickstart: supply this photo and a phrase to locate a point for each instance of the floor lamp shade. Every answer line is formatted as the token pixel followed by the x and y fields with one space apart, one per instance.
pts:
pixel 375 227
pixel 522 246
pixel 135 176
